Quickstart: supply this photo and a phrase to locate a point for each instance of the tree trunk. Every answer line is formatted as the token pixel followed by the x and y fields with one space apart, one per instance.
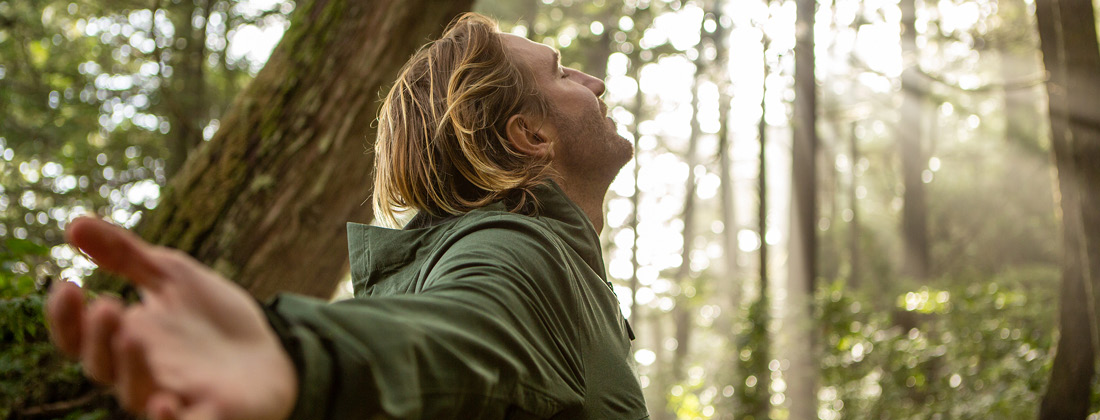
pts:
pixel 755 401
pixel 853 206
pixel 636 110
pixel 731 284
pixel 914 88
pixel 185 97
pixel 682 311
pixel 1019 62
pixel 803 353
pixel 681 314
pixel 1067 34
pixel 265 202
pixel 596 56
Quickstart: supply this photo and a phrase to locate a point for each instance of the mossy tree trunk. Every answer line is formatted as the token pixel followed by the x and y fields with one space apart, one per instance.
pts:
pixel 266 200
pixel 1067 35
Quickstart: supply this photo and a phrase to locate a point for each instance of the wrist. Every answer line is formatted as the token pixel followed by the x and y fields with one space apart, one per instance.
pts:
pixel 285 384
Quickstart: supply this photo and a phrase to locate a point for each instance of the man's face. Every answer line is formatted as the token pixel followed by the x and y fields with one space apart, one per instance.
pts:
pixel 587 145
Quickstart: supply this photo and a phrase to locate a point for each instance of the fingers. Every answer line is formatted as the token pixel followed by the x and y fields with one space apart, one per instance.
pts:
pixel 64 314
pixel 164 406
pixel 116 249
pixel 101 324
pixel 133 382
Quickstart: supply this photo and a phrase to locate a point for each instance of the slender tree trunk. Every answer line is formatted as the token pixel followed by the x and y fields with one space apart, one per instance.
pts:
pixel 1067 34
pixel 634 203
pixel 853 206
pixel 635 199
pixel 597 55
pixel 186 93
pixel 755 400
pixel 265 202
pixel 803 354
pixel 911 153
pixel 1019 62
pixel 682 311
pixel 529 15
pixel 732 282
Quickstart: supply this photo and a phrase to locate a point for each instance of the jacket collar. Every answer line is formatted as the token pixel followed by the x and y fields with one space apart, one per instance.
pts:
pixel 378 253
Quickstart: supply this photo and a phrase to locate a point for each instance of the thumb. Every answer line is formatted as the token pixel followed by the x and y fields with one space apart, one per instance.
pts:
pixel 116 250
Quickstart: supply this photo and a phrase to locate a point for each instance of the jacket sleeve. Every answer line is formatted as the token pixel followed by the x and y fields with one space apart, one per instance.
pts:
pixel 490 336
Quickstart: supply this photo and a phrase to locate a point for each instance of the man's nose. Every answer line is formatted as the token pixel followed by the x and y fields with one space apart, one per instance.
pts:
pixel 595 85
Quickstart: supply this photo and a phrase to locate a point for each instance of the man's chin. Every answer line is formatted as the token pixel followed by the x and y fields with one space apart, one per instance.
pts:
pixel 624 152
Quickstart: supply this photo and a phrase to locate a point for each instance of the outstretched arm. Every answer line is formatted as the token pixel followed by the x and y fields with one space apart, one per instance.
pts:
pixel 196 347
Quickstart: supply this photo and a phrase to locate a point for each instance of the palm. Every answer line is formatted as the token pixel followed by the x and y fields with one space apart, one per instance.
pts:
pixel 196 346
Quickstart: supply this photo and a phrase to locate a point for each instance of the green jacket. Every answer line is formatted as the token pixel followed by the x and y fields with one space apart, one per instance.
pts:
pixel 486 315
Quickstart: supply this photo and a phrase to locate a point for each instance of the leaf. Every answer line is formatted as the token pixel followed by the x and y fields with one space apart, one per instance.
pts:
pixel 20 247
pixel 38 53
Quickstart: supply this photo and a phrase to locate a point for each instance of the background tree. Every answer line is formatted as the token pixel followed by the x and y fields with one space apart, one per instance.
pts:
pixel 803 350
pixel 911 154
pixel 1067 31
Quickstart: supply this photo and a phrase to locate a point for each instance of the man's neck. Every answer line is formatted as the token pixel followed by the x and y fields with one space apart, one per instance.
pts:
pixel 588 197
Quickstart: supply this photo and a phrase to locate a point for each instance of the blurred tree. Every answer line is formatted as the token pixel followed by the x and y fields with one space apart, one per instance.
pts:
pixel 185 98
pixel 803 374
pixel 854 251
pixel 683 311
pixel 754 345
pixel 911 150
pixel 1067 33
pixel 1018 50
pixel 732 282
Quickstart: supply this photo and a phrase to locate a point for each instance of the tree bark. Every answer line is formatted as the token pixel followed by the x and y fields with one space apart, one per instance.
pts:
pixel 803 353
pixel 914 88
pixel 265 202
pixel 1067 34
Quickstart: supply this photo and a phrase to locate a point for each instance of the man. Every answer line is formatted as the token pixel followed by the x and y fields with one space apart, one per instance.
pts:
pixel 491 303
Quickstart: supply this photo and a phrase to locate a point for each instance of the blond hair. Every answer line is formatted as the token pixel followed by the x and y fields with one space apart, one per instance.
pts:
pixel 442 147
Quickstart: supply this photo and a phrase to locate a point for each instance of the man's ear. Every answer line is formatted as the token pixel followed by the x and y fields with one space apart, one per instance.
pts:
pixel 526 138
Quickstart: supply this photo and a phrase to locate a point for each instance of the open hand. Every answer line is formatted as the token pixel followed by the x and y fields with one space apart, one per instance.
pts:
pixel 196 347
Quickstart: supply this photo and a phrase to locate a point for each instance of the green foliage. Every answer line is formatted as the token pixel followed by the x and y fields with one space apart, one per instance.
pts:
pixel 90 103
pixel 978 348
pixel 90 98
pixel 753 352
pixel 14 256
pixel 32 371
